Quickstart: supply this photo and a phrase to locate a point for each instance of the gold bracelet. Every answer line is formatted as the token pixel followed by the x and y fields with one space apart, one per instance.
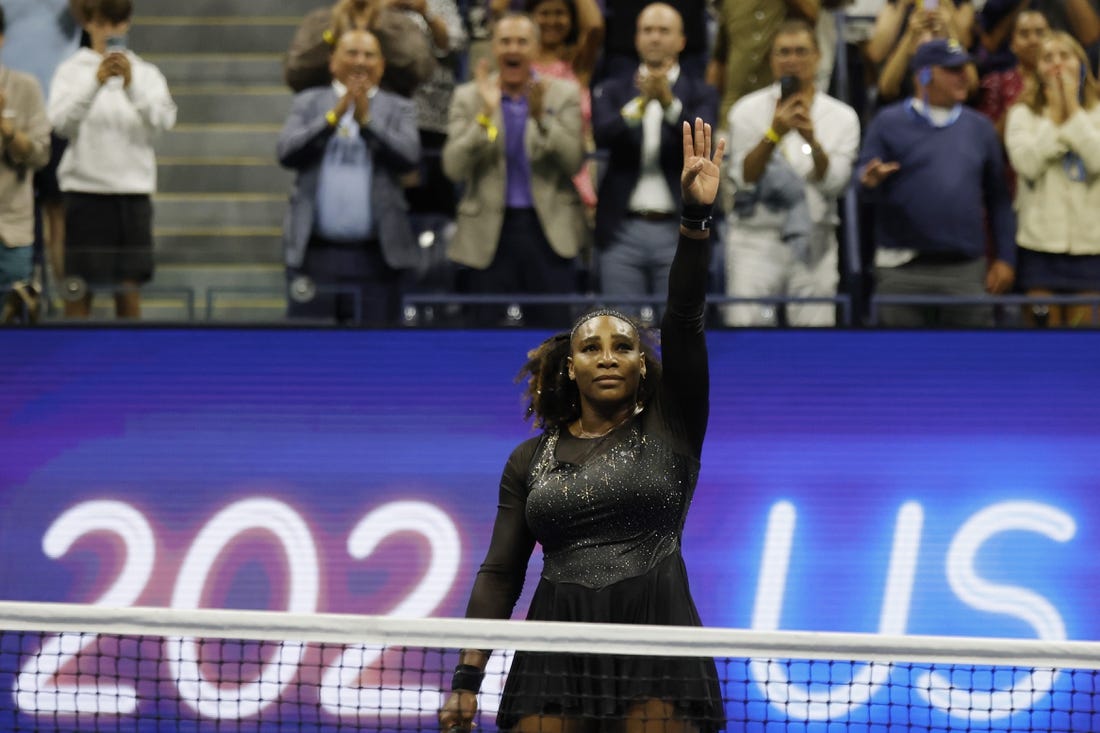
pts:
pixel 772 136
pixel 331 118
pixel 490 129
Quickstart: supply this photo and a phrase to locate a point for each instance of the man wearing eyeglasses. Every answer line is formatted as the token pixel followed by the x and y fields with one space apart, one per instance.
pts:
pixel 791 153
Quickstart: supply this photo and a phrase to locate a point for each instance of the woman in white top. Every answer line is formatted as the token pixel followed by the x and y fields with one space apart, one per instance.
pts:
pixel 1053 139
pixel 110 104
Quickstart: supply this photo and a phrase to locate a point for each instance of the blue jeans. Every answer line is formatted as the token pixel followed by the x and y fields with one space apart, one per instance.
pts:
pixel 15 265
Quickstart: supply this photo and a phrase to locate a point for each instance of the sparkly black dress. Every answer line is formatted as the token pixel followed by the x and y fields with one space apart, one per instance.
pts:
pixel 609 513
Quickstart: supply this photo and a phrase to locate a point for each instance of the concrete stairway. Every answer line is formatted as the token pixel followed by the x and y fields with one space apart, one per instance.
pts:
pixel 222 195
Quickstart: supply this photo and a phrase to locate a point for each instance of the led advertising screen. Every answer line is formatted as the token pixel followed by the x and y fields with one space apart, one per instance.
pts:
pixel 940 483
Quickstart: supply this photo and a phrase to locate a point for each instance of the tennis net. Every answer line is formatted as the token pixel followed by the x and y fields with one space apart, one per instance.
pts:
pixel 69 667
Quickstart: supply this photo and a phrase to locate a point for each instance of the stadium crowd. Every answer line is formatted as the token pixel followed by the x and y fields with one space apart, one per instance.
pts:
pixel 540 140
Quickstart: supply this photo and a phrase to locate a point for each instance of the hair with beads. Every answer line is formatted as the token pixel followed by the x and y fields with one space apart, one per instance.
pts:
pixel 552 397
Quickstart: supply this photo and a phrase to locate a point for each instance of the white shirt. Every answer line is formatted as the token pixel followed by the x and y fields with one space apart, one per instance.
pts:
pixel 110 128
pixel 651 192
pixel 836 130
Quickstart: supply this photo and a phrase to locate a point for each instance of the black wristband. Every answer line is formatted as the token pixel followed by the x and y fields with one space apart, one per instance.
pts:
pixel 696 217
pixel 696 212
pixel 696 225
pixel 467 677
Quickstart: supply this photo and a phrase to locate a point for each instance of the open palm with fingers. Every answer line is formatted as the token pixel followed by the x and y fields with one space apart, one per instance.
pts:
pixel 702 172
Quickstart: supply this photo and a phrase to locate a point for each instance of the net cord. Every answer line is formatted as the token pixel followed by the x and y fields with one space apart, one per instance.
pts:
pixel 544 636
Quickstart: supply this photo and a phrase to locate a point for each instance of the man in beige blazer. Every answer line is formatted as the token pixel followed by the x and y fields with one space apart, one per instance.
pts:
pixel 514 141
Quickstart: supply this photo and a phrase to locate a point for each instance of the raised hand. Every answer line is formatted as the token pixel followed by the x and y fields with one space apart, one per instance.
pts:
pixel 106 70
pixel 1071 88
pixel 488 88
pixel 702 172
pixel 876 171
pixel 536 96
pixel 417 6
pixel 358 94
pixel 653 84
pixel 123 68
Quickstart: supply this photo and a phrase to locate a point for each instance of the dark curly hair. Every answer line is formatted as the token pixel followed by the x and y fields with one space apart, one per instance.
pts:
pixel 552 397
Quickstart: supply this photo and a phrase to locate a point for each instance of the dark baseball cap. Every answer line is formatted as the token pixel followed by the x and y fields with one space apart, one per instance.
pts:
pixel 940 52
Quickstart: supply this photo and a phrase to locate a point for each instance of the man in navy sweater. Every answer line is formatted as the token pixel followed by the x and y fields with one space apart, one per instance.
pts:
pixel 931 169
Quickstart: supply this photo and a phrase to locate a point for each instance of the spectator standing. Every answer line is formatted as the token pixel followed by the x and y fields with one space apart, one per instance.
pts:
pixel 514 141
pixel 441 24
pixel 1053 140
pixel 620 55
pixel 42 34
pixel 792 148
pixel 929 168
pixel 1001 89
pixel 639 122
pixel 347 236
pixel 109 104
pixel 24 147
pixel 746 31
pixel 1079 18
pixel 406 49
pixel 903 25
pixel 569 39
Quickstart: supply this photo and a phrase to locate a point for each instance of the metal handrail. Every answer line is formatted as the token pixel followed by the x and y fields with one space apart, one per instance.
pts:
pixel 948 301
pixel 185 294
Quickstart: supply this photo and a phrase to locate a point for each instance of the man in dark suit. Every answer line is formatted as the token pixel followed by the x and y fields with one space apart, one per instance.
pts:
pixel 346 235
pixel 638 121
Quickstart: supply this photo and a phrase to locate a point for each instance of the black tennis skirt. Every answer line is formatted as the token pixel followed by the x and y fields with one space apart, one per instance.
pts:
pixel 597 686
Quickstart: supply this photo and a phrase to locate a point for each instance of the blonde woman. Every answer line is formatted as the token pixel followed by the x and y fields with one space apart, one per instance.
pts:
pixel 1053 140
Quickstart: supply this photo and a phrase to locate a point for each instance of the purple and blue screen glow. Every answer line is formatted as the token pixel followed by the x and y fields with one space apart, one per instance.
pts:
pixel 919 483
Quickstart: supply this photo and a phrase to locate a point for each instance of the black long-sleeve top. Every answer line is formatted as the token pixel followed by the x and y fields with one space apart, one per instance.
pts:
pixel 606 509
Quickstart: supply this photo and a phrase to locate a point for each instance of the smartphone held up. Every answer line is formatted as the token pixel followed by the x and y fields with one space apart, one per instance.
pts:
pixel 116 44
pixel 789 85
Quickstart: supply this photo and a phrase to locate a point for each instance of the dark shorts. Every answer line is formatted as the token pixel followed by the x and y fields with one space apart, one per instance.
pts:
pixel 1061 273
pixel 109 238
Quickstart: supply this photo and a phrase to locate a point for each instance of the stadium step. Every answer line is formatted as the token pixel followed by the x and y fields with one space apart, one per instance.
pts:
pixel 253 175
pixel 222 8
pixel 251 246
pixel 200 142
pixel 219 68
pixel 221 193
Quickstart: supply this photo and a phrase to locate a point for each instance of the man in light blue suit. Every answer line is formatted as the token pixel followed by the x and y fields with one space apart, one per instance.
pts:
pixel 346 235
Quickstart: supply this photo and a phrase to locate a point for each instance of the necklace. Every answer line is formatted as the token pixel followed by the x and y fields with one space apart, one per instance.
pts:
pixel 582 433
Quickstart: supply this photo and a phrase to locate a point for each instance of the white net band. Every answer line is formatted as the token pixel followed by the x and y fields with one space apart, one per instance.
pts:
pixel 71 667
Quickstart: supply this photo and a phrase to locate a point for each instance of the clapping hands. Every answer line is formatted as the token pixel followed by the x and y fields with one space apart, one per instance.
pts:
pixel 115 64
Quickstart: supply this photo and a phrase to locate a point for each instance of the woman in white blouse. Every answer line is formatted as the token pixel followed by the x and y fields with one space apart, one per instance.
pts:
pixel 1053 139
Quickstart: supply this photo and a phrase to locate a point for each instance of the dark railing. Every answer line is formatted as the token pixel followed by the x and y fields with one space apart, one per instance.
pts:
pixel 184 308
